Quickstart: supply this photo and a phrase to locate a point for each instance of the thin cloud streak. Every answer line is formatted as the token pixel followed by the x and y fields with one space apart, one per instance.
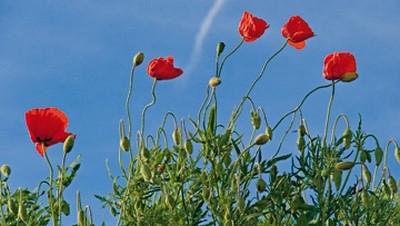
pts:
pixel 203 31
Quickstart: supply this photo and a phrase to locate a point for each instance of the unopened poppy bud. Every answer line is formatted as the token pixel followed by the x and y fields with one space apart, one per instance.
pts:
pixel 366 174
pixel 240 204
pixel 65 208
pixel 392 184
pixel 176 136
pixel 124 143
pixel 145 154
pixel 69 143
pixel 261 185
pixel 301 130
pixel 397 154
pixel 336 176
pixel 255 119
pixel 145 171
pixel 344 165
pixel 365 196
pixel 261 139
pixel 301 143
pixel 349 77
pixel 214 82
pixel 268 131
pixel 378 156
pixel 347 135
pixel 220 47
pixel 363 156
pixel 138 59
pixel 5 170
pixel 188 146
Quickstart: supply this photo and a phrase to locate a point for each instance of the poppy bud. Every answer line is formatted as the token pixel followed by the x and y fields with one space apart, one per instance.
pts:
pixel 138 59
pixel 365 196
pixel 145 171
pixel 344 165
pixel 124 143
pixel 5 170
pixel 347 135
pixel 261 185
pixel 392 184
pixel 188 146
pixel 301 143
pixel 176 136
pixel 349 77
pixel 255 119
pixel 214 82
pixel 336 176
pixel 268 131
pixel 113 211
pixel 261 139
pixel 397 154
pixel 145 154
pixel 363 156
pixel 301 130
pixel 366 174
pixel 220 47
pixel 378 155
pixel 69 143
pixel 65 208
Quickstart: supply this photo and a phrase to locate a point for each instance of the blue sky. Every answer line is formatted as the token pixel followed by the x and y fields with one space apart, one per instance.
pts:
pixel 77 56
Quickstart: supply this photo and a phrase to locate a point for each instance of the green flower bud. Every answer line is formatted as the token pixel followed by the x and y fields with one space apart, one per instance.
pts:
pixel 336 176
pixel 65 208
pixel 5 170
pixel 301 143
pixel 255 119
pixel 124 143
pixel 363 156
pixel 188 146
pixel 344 165
pixel 397 154
pixel 176 136
pixel 392 184
pixel 268 131
pixel 69 143
pixel 366 174
pixel 146 172
pixel 261 185
pixel 138 59
pixel 301 130
pixel 347 136
pixel 365 196
pixel 261 139
pixel 113 211
pixel 214 82
pixel 240 204
pixel 378 155
pixel 220 47
pixel 145 154
pixel 349 77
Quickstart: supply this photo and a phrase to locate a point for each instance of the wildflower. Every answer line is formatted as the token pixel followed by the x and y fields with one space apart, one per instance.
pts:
pixel 340 65
pixel 297 31
pixel 163 68
pixel 46 126
pixel 251 27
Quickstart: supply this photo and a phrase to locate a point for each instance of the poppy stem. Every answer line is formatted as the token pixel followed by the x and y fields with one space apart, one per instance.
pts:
pixel 227 56
pixel 50 192
pixel 328 114
pixel 153 101
pixel 128 97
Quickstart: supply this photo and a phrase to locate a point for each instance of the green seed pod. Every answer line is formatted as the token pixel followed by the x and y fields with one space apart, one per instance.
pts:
pixel 301 143
pixel 169 201
pixel 344 165
pixel 188 146
pixel 378 155
pixel 124 143
pixel 261 139
pixel 240 204
pixel 268 131
pixel 392 184
pixel 12 207
pixel 397 154
pixel 69 143
pixel 138 59
pixel 214 82
pixel 336 176
pixel 261 185
pixel 255 120
pixel 146 172
pixel 5 170
pixel 65 208
pixel 176 136
pixel 220 47
pixel 366 174
pixel 301 130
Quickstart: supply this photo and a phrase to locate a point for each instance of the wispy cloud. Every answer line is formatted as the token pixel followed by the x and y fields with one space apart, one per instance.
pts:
pixel 201 34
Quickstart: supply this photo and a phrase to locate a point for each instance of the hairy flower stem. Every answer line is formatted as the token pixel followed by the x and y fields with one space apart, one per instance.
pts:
pixel 226 57
pixel 236 114
pixel 128 114
pixel 60 184
pixel 328 114
pixel 153 101
pixel 50 191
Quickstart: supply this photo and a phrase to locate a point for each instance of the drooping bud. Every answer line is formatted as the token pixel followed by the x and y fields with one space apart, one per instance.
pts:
pixel 261 185
pixel 138 59
pixel 392 184
pixel 301 143
pixel 220 47
pixel 378 156
pixel 336 176
pixel 69 143
pixel 366 174
pixel 344 165
pixel 347 136
pixel 397 154
pixel 365 196
pixel 214 82
pixel 261 139
pixel 65 208
pixel 146 172
pixel 301 130
pixel 255 119
pixel 176 136
pixel 5 170
pixel 268 131
pixel 145 154
pixel 188 146
pixel 124 143
pixel 349 77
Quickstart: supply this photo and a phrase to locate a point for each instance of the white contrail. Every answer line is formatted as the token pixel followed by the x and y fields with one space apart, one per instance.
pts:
pixel 204 28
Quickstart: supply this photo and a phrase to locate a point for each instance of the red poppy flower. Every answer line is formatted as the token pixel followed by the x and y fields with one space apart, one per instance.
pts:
pixel 251 27
pixel 46 126
pixel 340 65
pixel 163 68
pixel 297 31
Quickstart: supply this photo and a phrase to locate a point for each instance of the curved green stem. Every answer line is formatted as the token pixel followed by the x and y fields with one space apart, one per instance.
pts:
pixel 128 114
pixel 153 93
pixel 51 201
pixel 328 114
pixel 227 56
pixel 335 124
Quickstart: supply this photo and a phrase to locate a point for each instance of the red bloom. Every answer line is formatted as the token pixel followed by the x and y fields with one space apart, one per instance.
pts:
pixel 339 65
pixel 251 27
pixel 163 68
pixel 297 31
pixel 46 126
